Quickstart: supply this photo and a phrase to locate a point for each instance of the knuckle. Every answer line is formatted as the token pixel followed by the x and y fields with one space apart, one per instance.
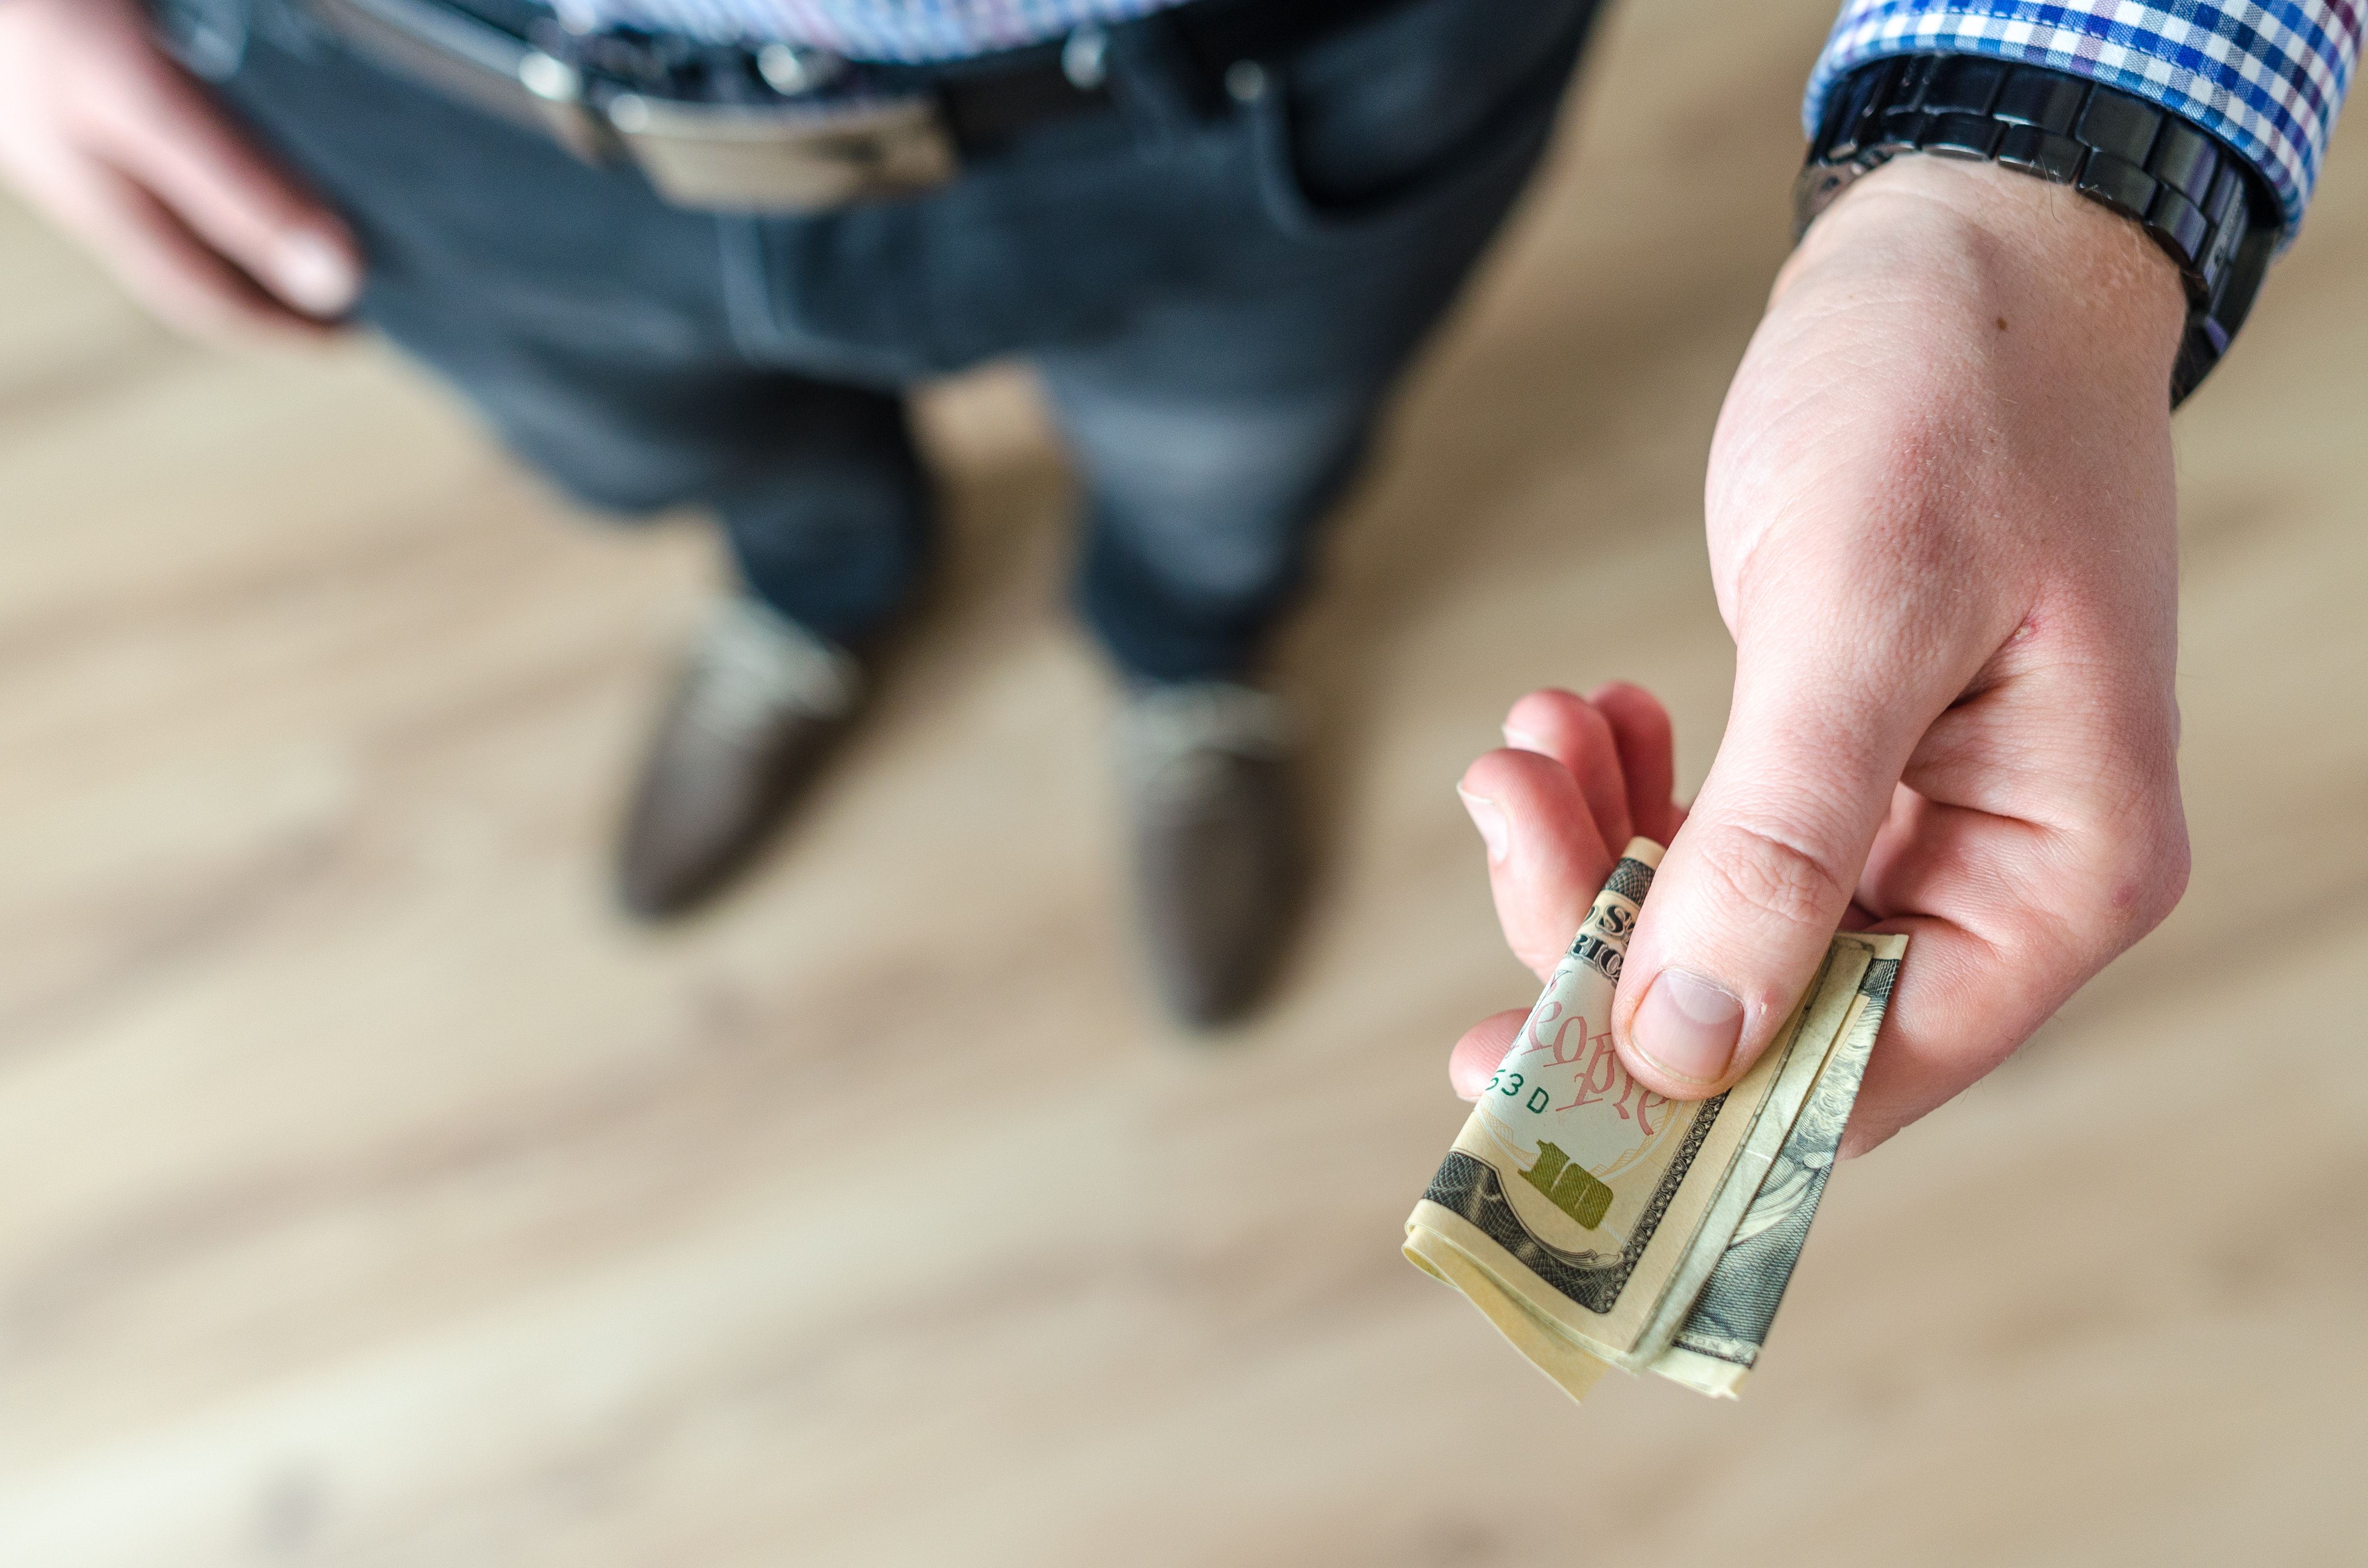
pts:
pixel 2149 876
pixel 1774 877
pixel 2136 877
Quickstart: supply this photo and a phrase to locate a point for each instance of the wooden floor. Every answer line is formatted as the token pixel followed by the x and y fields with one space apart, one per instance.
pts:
pixel 370 1194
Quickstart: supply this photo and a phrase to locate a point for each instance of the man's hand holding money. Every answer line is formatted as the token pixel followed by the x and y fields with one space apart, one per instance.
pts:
pixel 1941 528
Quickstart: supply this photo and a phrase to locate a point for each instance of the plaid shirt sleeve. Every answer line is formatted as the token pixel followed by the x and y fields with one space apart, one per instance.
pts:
pixel 2266 76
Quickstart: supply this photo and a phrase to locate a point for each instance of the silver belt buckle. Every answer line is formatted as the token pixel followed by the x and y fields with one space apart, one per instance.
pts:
pixel 797 157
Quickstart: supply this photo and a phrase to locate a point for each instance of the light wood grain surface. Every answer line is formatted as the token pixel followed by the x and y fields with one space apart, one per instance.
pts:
pixel 370 1194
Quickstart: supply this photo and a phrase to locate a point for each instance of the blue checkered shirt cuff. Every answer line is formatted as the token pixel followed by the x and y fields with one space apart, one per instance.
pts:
pixel 2266 77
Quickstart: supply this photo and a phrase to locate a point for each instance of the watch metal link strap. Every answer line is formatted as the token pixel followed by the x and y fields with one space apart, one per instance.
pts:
pixel 2197 199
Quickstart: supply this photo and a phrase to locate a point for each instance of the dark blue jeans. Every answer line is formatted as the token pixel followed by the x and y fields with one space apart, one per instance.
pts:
pixel 1217 306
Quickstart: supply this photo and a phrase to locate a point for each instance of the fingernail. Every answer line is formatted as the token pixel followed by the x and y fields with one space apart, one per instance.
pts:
pixel 316 275
pixel 1522 740
pixel 1689 1026
pixel 1490 821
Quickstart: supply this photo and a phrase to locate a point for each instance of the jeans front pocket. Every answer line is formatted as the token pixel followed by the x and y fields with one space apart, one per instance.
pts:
pixel 1390 121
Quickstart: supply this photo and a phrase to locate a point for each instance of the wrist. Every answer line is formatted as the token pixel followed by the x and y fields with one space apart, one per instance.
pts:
pixel 1962 370
pixel 1951 253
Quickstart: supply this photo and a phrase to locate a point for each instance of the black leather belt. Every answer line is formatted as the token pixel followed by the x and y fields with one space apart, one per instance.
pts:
pixel 786 128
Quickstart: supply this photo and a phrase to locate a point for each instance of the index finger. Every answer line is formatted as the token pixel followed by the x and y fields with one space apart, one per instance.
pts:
pixel 176 143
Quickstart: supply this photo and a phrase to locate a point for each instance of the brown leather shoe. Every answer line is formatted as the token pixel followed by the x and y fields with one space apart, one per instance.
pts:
pixel 758 705
pixel 1216 862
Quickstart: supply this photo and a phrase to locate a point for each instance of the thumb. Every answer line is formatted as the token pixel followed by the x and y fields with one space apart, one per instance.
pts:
pixel 1755 884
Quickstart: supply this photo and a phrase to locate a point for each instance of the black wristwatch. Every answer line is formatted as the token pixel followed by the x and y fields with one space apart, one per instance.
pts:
pixel 2201 202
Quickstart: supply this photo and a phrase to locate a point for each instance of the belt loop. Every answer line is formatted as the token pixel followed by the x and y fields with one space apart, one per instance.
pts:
pixel 208 37
pixel 558 88
pixel 1084 59
pixel 1155 81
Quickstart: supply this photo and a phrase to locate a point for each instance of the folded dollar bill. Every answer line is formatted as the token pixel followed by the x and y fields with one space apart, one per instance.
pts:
pixel 1600 1224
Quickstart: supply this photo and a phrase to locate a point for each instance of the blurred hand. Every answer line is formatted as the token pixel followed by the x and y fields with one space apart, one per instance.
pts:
pixel 1942 522
pixel 122 150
